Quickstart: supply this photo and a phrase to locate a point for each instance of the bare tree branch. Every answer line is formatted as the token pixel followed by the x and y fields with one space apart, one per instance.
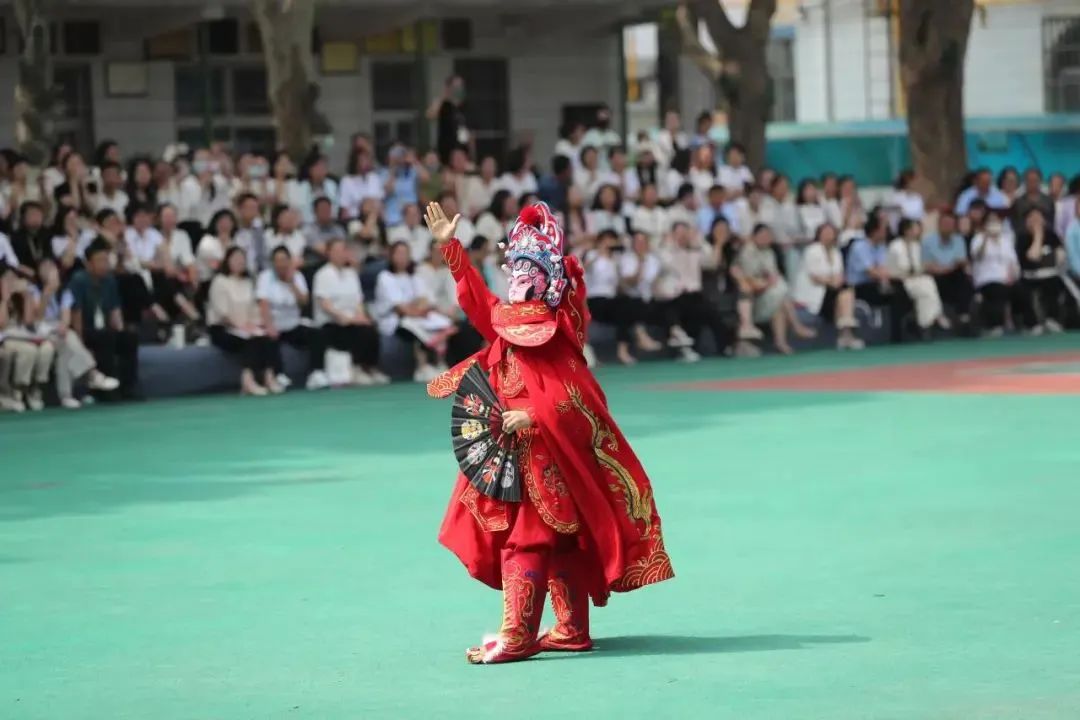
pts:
pixel 759 19
pixel 717 21
pixel 709 63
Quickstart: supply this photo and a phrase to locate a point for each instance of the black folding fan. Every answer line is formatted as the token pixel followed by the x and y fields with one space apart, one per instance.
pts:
pixel 487 455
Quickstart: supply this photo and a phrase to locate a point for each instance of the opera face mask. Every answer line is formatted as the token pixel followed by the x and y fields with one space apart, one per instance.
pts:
pixel 527 281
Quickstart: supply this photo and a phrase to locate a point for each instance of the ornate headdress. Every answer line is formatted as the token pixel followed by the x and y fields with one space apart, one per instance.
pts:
pixel 535 246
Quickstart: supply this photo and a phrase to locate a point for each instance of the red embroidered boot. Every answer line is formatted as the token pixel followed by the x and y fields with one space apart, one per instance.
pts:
pixel 570 601
pixel 524 588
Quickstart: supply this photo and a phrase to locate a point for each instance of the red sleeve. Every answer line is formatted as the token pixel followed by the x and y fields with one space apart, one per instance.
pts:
pixel 472 292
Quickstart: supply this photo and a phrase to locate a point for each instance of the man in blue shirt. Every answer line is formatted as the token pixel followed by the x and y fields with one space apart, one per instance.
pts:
pixel 868 274
pixel 982 188
pixel 716 207
pixel 401 180
pixel 97 318
pixel 945 257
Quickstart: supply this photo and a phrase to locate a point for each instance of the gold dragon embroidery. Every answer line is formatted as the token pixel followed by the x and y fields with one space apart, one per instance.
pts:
pixel 638 504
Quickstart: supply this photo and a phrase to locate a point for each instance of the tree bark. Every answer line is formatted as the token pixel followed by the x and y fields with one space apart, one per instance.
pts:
pixel 933 45
pixel 286 28
pixel 738 68
pixel 35 98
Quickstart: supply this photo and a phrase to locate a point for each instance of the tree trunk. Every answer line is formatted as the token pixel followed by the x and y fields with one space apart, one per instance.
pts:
pixel 933 45
pixel 286 28
pixel 34 95
pixel 748 88
pixel 738 68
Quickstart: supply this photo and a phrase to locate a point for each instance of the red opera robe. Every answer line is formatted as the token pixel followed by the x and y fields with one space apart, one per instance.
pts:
pixel 578 470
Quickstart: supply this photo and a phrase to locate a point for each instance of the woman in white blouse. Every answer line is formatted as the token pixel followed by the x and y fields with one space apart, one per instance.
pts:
pixel 236 325
pixel 587 174
pixel 905 263
pixel 606 213
pixel 811 210
pixel 820 287
pixel 649 218
pixel 904 202
pixel 996 272
pixel 218 238
pixel 176 263
pixel 285 232
pixel 283 294
pixel 602 286
pixel 480 188
pixel 402 307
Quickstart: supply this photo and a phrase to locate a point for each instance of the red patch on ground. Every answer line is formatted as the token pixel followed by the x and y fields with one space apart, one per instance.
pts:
pixel 1056 374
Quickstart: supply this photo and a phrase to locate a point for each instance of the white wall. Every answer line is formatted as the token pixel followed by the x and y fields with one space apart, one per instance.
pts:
pixel 1005 59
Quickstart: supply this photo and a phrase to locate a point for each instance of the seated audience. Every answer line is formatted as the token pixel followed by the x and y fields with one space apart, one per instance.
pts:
pixel 27 357
pixel 759 280
pixel 285 232
pixel 1042 263
pixel 996 272
pixel 639 271
pixel 236 325
pixel 945 259
pixel 402 307
pixel 821 287
pixel 413 233
pixel 282 293
pixel 906 265
pixel 97 319
pixel 868 273
pixel 602 285
pixel 982 188
pixel 339 311
pixel 440 289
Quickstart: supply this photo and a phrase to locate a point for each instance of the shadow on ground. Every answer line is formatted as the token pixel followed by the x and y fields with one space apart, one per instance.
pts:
pixel 629 645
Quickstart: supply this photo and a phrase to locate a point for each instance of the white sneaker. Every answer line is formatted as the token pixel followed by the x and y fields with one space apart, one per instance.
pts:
pixel 379 377
pixel 425 374
pixel 70 403
pixel 1036 331
pixel 1053 326
pixel 284 381
pixel 994 332
pixel 751 333
pixel 360 377
pixel 679 338
pixel 850 343
pixel 689 355
pixel 101 382
pixel 12 403
pixel 317 380
pixel 34 401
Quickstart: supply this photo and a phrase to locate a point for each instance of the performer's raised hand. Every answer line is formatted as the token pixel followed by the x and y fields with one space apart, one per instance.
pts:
pixel 441 228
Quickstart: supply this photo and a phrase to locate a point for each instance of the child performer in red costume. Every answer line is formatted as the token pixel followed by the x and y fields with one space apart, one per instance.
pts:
pixel 587 524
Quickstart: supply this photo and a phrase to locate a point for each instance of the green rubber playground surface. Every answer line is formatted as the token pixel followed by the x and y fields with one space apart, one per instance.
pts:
pixel 841 554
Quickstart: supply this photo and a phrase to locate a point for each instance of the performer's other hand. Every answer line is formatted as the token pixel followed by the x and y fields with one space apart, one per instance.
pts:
pixel 441 228
pixel 515 420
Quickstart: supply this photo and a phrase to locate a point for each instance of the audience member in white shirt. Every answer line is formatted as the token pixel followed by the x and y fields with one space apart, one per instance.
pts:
pixel 734 175
pixel 402 307
pixel 111 195
pixel 495 224
pixel 649 218
pixel 204 192
pixel 905 263
pixel 413 233
pixel 671 139
pixel 70 239
pixel 316 183
pixel 176 279
pixel 587 175
pixel 602 285
pixel 606 214
pixel 702 173
pixel 363 181
pixel 236 327
pixel 465 231
pixel 904 202
pixel 996 273
pixel 820 288
pixel 219 236
pixel 479 189
pixel 639 271
pixel 623 177
pixel 285 232
pixel 518 178
pixel 571 143
pixel 439 287
pixel 282 293
pixel 339 311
